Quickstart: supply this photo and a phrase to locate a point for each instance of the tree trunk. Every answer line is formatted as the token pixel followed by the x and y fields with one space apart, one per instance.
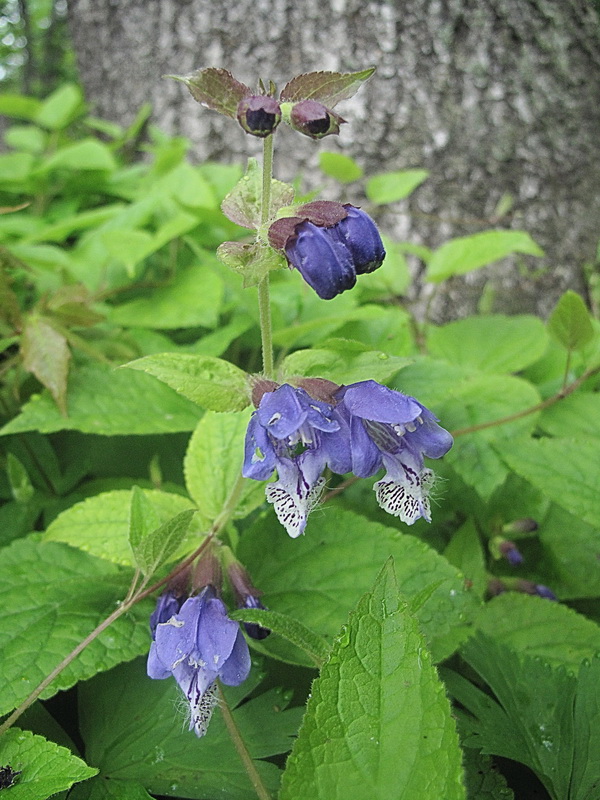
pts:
pixel 494 97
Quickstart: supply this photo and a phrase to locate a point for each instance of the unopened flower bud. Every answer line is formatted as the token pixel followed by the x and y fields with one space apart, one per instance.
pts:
pixel 246 596
pixel 495 587
pixel 510 552
pixel 314 119
pixel 529 587
pixel 259 114
pixel 525 525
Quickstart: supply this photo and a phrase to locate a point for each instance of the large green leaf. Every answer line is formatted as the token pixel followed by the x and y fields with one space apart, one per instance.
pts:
pixel 52 597
pixel 135 729
pixel 100 524
pixel 577 415
pixel 45 768
pixel 538 627
pixel 326 571
pixel 378 689
pixel 109 402
pixel 467 253
pixel 567 471
pixel 493 343
pixel 213 466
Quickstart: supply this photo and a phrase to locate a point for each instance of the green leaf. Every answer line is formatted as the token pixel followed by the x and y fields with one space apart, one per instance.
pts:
pixel 86 154
pixel 193 298
pixel 339 166
pixel 46 355
pixel 20 484
pixel 577 415
pixel 52 597
pixel 163 543
pixel 377 689
pixel 100 524
pixel 328 88
pixel 212 383
pixel 253 260
pixel 20 106
pixel 466 554
pixel 15 167
pixel 287 627
pixel 128 246
pixel 111 402
pixel 586 748
pixel 493 343
pixel 566 471
pixel 28 138
pixel 143 517
pixel 45 767
pixel 392 278
pixel 60 108
pixel 216 89
pixel 343 361
pixel 213 466
pixel 389 187
pixel 468 253
pixel 537 627
pixel 103 788
pixel 570 322
pixel 483 781
pixel 135 729
pixel 243 204
pixel 327 570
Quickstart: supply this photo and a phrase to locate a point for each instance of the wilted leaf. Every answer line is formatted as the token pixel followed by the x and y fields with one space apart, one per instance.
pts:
pixel 46 354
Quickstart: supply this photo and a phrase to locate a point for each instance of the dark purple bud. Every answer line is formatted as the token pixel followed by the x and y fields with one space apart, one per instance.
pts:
pixel 495 587
pixel 529 587
pixel 526 525
pixel 167 605
pixel 330 244
pixel 314 119
pixel 253 629
pixel 259 115
pixel 246 596
pixel 510 552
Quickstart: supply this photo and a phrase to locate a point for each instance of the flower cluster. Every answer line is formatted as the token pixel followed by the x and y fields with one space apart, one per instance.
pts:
pixel 361 428
pixel 195 642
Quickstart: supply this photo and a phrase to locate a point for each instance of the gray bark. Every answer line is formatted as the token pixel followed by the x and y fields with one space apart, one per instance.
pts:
pixel 492 96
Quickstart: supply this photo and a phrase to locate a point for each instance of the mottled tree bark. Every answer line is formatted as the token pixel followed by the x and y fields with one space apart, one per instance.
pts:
pixel 494 97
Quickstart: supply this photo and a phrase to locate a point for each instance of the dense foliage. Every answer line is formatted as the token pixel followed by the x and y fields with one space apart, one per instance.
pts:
pixel 438 646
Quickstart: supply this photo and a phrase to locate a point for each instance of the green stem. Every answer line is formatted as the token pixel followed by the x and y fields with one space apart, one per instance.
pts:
pixel 264 303
pixel 240 746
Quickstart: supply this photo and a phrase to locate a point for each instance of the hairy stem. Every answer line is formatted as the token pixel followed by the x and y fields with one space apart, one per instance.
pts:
pixel 264 303
pixel 242 750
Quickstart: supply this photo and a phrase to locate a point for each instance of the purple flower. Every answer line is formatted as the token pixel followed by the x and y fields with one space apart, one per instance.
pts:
pixel 329 244
pixel 167 605
pixel 389 429
pixel 510 552
pixel 296 435
pixel 196 646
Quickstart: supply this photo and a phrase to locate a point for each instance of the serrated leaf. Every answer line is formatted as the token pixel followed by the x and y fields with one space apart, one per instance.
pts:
pixel 289 628
pixel 216 89
pixel 329 88
pixel 212 383
pixel 134 729
pixel 100 524
pixel 492 343
pixel 536 627
pixel 243 204
pixel 253 260
pixel 344 363
pixel 340 166
pixel 326 571
pixel 389 187
pixel 377 689
pixel 467 253
pixel 111 402
pixel 566 471
pixel 483 781
pixel 52 597
pixel 45 768
pixel 161 544
pixel 46 355
pixel 213 466
pixel 570 322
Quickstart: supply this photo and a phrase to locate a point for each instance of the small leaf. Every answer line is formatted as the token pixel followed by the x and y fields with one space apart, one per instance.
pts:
pixel 341 167
pixel 254 260
pixel 216 89
pixel 390 187
pixel 20 485
pixel 570 322
pixel 143 517
pixel 289 628
pixel 328 88
pixel 161 544
pixel 243 204
pixel 210 382
pixel 60 108
pixel 378 689
pixel 87 154
pixel 46 354
pixel 467 253
pixel 45 768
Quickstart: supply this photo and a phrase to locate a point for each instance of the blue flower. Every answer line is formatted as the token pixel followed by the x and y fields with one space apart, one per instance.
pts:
pixel 329 244
pixel 296 435
pixel 167 605
pixel 196 646
pixel 386 428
